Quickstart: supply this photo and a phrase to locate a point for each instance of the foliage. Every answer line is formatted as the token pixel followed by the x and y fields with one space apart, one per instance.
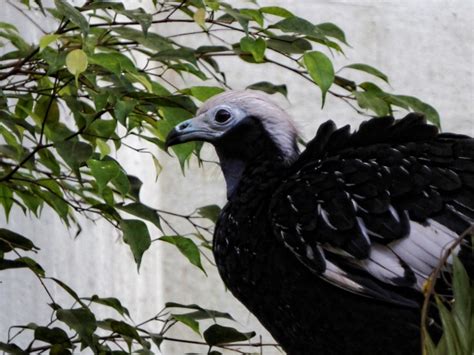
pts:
pixel 101 78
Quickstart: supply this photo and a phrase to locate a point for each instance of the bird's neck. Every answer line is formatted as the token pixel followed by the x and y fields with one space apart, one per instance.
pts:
pixel 251 169
pixel 244 151
pixel 233 169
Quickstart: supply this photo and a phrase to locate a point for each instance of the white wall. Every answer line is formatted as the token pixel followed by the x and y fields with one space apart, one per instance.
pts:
pixel 426 48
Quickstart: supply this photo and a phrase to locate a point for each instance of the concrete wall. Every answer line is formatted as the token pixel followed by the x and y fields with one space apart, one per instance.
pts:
pixel 426 48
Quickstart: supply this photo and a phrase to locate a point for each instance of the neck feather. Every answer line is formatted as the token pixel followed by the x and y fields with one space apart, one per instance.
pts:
pixel 247 147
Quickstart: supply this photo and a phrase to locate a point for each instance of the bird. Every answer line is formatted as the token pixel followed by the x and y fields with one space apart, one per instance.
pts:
pixel 331 247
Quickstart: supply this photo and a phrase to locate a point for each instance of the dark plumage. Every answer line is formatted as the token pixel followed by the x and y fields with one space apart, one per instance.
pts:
pixel 330 248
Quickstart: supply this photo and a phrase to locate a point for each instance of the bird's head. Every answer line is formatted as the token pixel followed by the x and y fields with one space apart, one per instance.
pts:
pixel 245 112
pixel 242 125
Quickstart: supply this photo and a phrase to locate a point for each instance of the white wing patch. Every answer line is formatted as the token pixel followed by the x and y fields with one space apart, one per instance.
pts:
pixel 383 264
pixel 419 253
pixel 424 247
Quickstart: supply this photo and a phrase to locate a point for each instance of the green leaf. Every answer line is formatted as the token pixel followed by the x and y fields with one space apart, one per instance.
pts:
pixel 151 40
pixel 210 212
pixel 55 60
pixel 52 336
pixel 102 128
pixel 187 54
pixel 212 4
pixel 12 348
pixel 142 79
pixel 116 63
pixel 46 40
pixel 211 49
pixel 136 235
pixel 235 14
pixel 187 320
pixel 419 106
pixel 46 109
pixel 59 349
pixel 449 328
pixel 199 312
pixel 76 63
pixel 103 171
pixel 23 262
pixel 368 69
pixel 163 127
pixel 143 18
pixel 320 69
pixel 157 339
pixel 110 302
pixel 462 309
pixel 202 93
pixel 296 24
pixel 217 334
pixel 429 347
pixel 187 247
pixel 370 100
pixel 8 26
pixel 289 44
pixel 122 183
pixel 31 201
pixel 6 199
pixel 254 14
pixel 48 159
pixel 81 320
pixel 17 40
pixel 74 152
pixel 125 330
pixel 24 105
pixel 269 88
pixel 331 30
pixel 70 291
pixel 276 10
pixel 53 199
pixel 123 108
pixel 72 14
pixel 138 209
pixel 10 240
pixel 254 46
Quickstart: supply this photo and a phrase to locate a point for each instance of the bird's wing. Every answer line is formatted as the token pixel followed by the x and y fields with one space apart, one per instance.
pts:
pixel 373 211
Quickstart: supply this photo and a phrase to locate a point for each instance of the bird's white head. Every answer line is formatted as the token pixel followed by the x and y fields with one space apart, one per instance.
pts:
pixel 241 125
pixel 222 113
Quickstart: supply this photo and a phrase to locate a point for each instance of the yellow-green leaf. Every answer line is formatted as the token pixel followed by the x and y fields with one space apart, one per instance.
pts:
pixel 76 62
pixel 200 17
pixel 46 40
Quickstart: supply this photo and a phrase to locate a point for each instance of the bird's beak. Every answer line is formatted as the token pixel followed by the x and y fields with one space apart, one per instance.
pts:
pixel 194 129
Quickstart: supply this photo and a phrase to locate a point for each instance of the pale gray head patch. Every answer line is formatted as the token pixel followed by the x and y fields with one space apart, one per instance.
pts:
pixel 274 119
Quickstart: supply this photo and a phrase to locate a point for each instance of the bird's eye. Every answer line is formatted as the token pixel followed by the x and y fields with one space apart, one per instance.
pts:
pixel 222 116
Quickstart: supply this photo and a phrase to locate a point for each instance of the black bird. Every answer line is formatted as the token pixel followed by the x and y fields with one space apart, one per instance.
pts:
pixel 330 248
